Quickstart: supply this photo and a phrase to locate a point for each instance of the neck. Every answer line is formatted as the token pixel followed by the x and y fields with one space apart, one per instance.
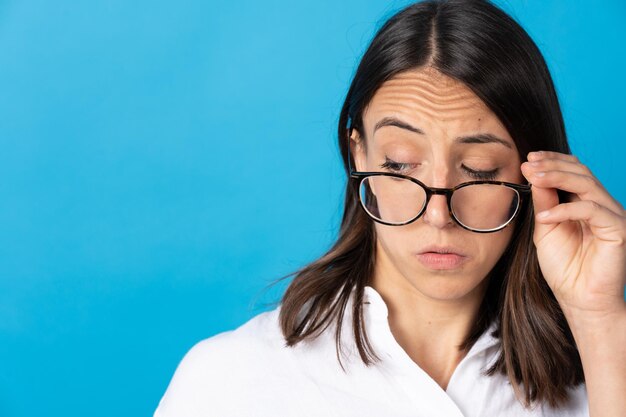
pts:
pixel 429 330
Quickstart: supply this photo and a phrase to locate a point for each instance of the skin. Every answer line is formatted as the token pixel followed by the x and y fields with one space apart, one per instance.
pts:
pixel 580 244
pixel 581 247
pixel 431 311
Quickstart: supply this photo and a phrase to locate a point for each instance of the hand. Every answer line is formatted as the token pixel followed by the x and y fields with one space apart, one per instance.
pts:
pixel 581 243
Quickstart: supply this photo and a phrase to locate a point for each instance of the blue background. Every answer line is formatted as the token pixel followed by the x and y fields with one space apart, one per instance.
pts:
pixel 162 162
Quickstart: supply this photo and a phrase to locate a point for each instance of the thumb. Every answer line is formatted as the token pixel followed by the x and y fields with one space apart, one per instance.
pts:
pixel 543 199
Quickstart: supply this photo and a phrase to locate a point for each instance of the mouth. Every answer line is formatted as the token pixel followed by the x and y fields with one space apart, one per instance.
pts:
pixel 441 257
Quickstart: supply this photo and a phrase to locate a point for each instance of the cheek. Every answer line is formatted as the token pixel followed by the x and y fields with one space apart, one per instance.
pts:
pixel 485 249
pixel 398 239
pixel 397 243
pixel 491 246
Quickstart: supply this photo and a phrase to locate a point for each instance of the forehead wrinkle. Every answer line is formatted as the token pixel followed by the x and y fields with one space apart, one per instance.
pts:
pixel 434 90
pixel 428 106
pixel 438 99
pixel 460 103
pixel 418 112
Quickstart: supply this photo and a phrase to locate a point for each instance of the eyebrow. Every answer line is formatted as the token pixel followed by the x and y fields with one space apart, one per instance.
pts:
pixel 478 138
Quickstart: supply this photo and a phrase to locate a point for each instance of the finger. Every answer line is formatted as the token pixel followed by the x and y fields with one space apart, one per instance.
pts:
pixel 543 165
pixel 543 198
pixel 603 222
pixel 586 187
pixel 537 155
pixel 548 164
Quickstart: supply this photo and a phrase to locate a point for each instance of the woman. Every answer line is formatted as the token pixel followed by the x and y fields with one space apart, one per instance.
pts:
pixel 480 267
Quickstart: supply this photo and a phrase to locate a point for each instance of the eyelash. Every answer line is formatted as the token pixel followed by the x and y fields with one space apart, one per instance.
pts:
pixel 479 175
pixel 396 166
pixel 482 175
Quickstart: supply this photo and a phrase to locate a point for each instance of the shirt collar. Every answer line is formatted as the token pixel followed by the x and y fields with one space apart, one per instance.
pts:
pixel 376 319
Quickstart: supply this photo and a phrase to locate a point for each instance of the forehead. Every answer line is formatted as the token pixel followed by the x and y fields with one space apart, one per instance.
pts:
pixel 434 102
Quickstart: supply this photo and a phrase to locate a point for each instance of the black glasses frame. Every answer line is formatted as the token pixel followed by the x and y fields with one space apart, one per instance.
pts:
pixel 521 189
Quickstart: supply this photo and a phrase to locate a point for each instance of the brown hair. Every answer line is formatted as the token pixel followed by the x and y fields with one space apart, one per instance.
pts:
pixel 478 44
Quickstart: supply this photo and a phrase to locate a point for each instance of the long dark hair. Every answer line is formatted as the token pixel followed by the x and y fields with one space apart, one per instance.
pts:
pixel 476 43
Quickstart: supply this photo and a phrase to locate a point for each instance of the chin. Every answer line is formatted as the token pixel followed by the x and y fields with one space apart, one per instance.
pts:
pixel 446 287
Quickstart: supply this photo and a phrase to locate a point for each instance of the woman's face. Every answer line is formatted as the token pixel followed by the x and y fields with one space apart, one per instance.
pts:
pixel 414 122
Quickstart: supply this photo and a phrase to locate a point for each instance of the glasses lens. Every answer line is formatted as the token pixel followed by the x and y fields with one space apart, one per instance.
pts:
pixel 390 199
pixel 485 206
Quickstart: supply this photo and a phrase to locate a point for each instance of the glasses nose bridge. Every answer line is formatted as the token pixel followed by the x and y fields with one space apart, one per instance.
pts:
pixel 431 191
pixel 439 191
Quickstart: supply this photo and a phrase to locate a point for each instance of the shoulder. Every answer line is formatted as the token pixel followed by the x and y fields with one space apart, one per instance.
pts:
pixel 212 375
pixel 261 332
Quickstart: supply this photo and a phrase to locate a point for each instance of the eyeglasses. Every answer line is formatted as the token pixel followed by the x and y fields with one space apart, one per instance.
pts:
pixel 479 206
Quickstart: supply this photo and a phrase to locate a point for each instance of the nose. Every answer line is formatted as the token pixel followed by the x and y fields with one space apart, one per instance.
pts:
pixel 437 213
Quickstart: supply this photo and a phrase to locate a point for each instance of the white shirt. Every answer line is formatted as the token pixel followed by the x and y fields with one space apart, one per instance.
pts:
pixel 249 372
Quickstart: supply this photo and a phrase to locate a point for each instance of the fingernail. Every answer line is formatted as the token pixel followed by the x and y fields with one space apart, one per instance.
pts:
pixel 539 174
pixel 543 214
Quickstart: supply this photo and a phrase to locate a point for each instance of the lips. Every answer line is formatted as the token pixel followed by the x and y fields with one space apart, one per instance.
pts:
pixel 441 257
pixel 442 250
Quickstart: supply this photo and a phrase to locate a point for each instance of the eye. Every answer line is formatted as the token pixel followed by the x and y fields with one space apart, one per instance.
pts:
pixel 394 166
pixel 482 175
